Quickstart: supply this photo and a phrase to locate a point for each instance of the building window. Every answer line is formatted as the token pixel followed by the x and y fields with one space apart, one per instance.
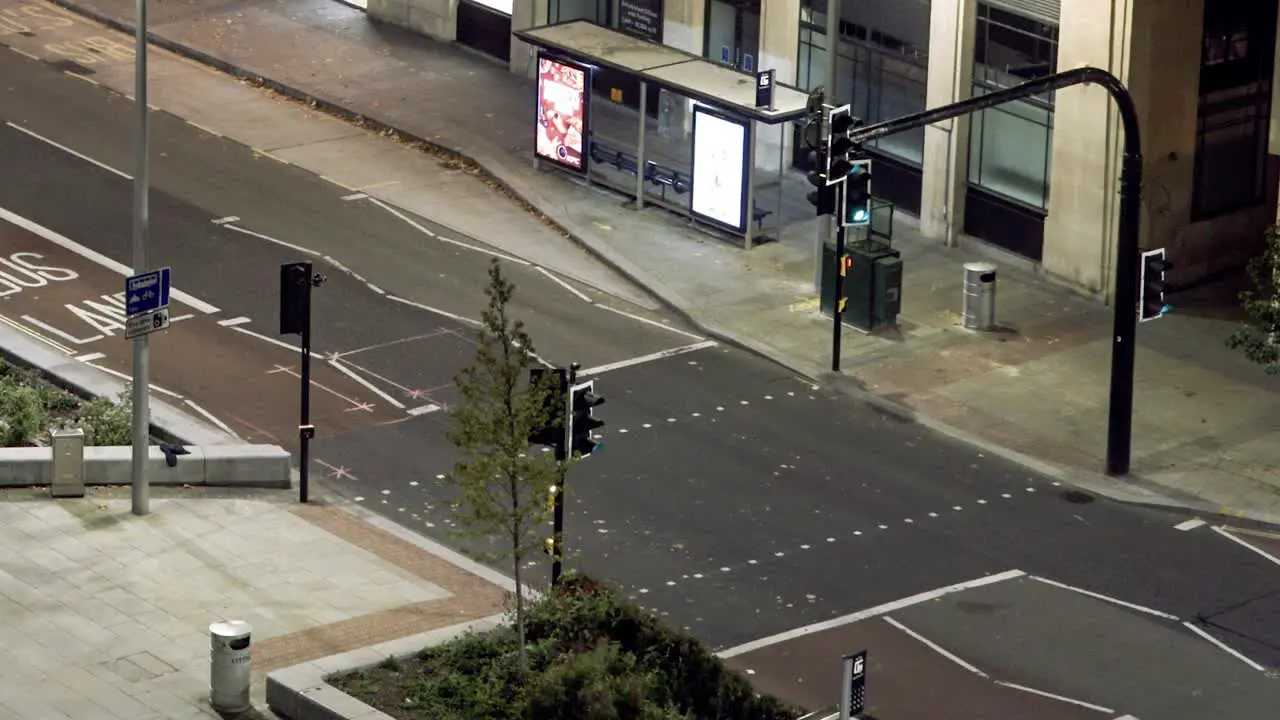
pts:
pixel 597 11
pixel 882 64
pixel 1234 114
pixel 1010 147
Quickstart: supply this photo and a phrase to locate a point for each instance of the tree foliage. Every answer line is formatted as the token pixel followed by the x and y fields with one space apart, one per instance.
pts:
pixel 1259 336
pixel 502 483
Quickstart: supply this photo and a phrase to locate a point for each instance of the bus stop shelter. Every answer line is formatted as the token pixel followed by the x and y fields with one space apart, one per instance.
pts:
pixel 721 184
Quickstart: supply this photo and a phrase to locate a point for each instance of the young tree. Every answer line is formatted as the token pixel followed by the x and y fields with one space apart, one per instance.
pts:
pixel 1259 336
pixel 503 484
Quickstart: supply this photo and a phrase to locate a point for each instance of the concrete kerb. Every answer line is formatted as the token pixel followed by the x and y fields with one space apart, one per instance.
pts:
pixel 1158 496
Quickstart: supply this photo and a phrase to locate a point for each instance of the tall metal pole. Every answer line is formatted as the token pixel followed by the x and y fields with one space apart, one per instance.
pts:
pixel 837 312
pixel 1124 336
pixel 141 183
pixel 563 449
pixel 833 64
pixel 305 430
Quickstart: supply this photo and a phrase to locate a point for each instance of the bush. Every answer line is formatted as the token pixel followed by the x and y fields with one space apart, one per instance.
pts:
pixel 22 415
pixel 107 423
pixel 591 656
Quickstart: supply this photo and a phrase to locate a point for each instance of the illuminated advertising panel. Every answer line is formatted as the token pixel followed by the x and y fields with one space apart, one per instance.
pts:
pixel 719 169
pixel 562 113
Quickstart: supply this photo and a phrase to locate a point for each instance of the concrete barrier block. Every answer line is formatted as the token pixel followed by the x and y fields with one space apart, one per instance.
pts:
pixel 190 469
pixel 113 465
pixel 247 465
pixel 26 466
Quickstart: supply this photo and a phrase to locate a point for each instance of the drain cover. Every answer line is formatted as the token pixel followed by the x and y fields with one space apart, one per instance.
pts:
pixel 1078 498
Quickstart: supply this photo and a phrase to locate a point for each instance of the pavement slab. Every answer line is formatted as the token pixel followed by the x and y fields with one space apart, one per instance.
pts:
pixel 107 613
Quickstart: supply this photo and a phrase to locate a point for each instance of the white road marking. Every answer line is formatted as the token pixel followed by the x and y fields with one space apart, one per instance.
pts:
pixel 1223 646
pixel 337 365
pixel 180 318
pixel 96 257
pixel 355 196
pixel 345 269
pixel 647 321
pixel 268 238
pixel 384 183
pixel 1051 696
pixel 576 292
pixel 390 343
pixel 28 331
pixel 423 409
pixel 225 220
pixel 934 646
pixel 418 226
pixel 24 53
pixel 231 322
pixel 1107 598
pixel 344 186
pixel 1228 535
pixel 78 76
pixel 870 613
pixel 648 358
pixel 203 129
pixel 273 341
pixel 375 288
pixel 90 357
pixel 1191 524
pixel 129 379
pixel 213 419
pixel 65 336
pixel 428 308
pixel 355 404
pixel 69 151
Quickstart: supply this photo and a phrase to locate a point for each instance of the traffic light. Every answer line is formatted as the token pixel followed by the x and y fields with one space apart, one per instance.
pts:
pixel 582 420
pixel 857 194
pixel 1151 304
pixel 295 298
pixel 841 150
pixel 556 383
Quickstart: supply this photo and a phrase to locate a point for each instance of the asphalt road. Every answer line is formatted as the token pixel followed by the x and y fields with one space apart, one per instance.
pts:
pixel 730 496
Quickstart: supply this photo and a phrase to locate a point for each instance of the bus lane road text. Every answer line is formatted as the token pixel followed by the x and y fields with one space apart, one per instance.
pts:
pixel 222 369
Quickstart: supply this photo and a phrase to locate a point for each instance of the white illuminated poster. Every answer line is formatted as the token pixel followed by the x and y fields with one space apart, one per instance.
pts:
pixel 719 168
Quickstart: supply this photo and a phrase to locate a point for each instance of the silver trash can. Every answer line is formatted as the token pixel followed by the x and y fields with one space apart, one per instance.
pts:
pixel 979 296
pixel 229 661
pixel 68 463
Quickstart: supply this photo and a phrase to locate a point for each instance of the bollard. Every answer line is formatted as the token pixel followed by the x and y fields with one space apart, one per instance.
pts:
pixel 229 666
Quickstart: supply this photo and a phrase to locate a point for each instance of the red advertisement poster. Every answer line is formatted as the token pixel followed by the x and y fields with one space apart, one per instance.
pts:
pixel 561 112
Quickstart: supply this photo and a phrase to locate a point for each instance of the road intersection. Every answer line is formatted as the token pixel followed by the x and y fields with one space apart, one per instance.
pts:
pixel 732 497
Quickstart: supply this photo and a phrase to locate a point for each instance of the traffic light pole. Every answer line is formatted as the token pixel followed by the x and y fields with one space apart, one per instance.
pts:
pixel 1120 412
pixel 562 456
pixel 837 312
pixel 305 430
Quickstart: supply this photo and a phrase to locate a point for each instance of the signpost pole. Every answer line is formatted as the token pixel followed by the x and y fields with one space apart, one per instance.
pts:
pixel 304 421
pixel 640 163
pixel 141 360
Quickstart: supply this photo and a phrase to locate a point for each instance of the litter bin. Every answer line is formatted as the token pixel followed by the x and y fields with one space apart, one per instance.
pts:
pixel 979 296
pixel 229 671
pixel 68 463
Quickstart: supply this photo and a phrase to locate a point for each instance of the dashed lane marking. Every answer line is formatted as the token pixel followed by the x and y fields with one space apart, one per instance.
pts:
pixel 1191 524
pixel 232 322
pixel 661 355
pixel 268 238
pixel 69 151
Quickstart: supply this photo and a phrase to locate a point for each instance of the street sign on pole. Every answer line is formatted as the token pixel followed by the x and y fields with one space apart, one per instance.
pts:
pixel 853 686
pixel 146 323
pixel 146 292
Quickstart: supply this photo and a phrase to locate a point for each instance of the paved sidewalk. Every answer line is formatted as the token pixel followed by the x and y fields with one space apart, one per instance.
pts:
pixel 107 614
pixel 1207 424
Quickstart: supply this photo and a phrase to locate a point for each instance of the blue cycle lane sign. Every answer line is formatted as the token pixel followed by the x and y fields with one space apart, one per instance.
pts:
pixel 146 303
pixel 146 292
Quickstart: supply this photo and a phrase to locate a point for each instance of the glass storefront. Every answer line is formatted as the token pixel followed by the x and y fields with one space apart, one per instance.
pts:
pixel 882 68
pixel 1010 146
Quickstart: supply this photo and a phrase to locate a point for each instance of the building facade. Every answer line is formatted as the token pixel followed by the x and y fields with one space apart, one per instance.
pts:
pixel 1037 178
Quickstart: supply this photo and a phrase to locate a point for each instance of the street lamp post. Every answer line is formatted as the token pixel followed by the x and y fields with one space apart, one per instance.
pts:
pixel 141 182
